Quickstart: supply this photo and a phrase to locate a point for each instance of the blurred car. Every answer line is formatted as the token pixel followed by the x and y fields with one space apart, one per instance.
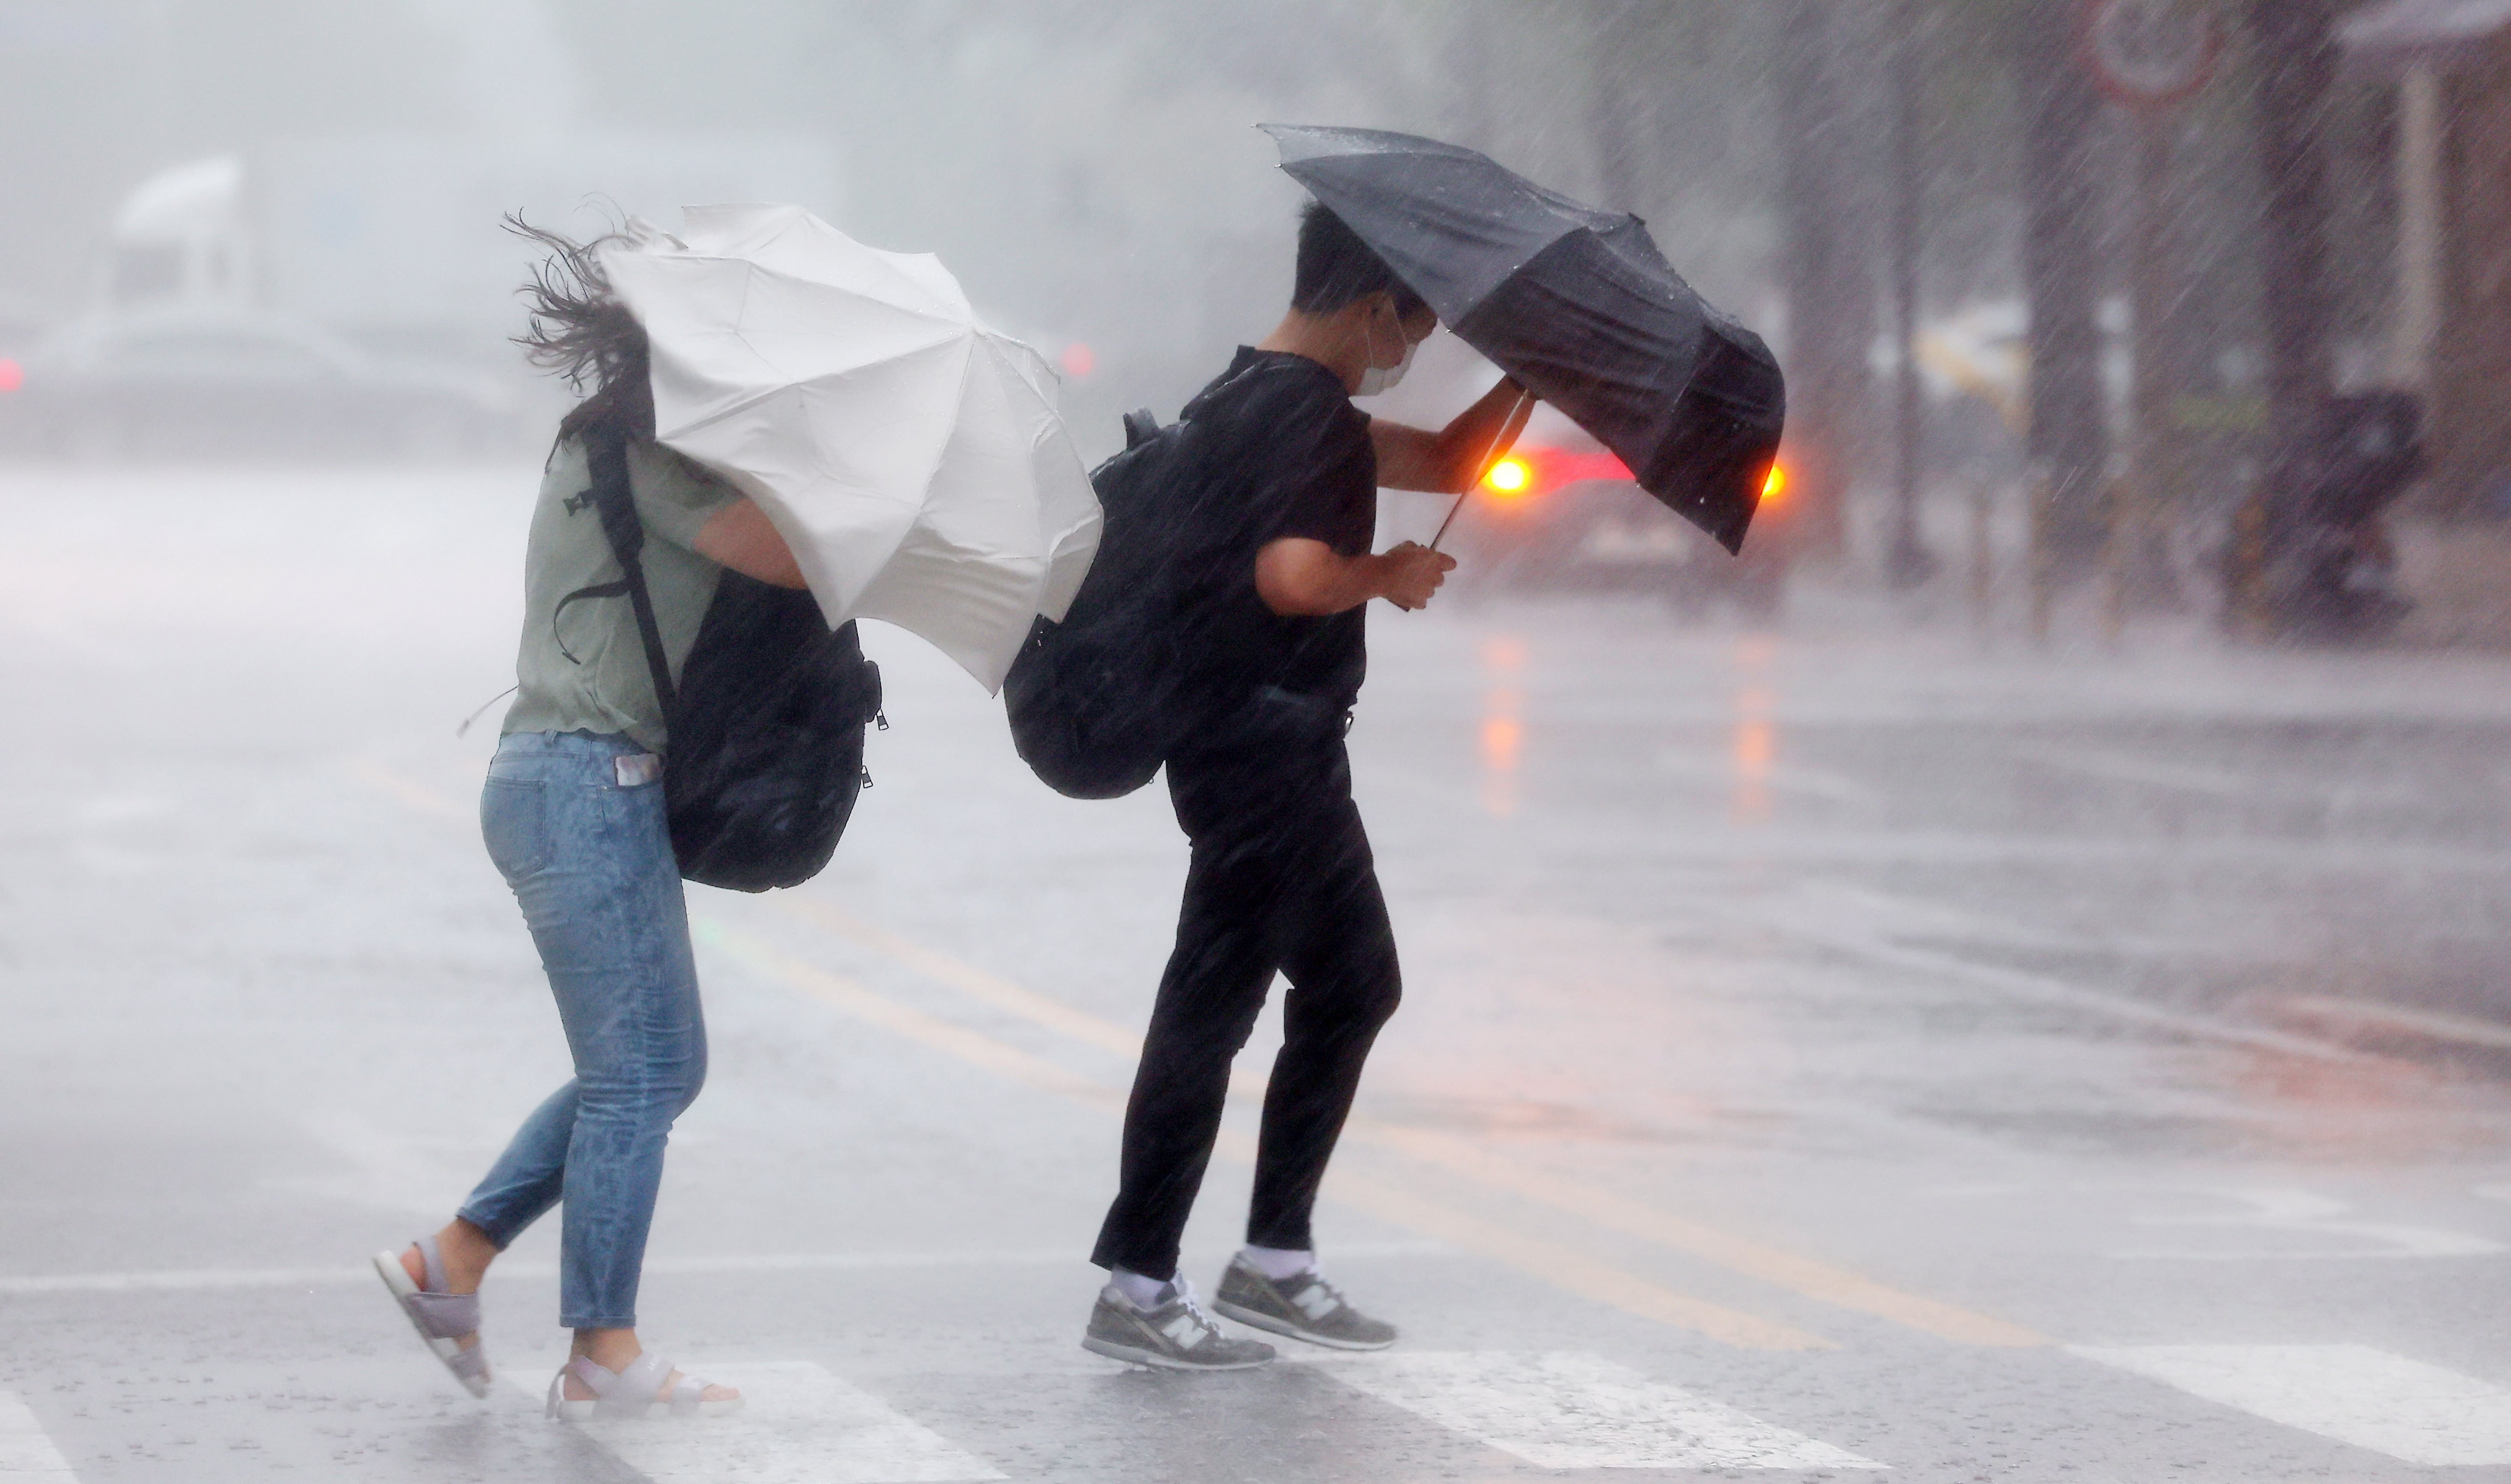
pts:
pixel 226 381
pixel 1561 513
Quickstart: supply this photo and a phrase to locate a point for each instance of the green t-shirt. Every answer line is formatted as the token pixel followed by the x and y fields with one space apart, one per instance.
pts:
pixel 585 669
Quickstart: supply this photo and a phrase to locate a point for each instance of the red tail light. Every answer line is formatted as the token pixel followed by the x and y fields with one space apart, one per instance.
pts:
pixel 1531 472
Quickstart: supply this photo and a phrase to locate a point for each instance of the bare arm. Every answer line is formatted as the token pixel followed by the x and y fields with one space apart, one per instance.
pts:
pixel 740 536
pixel 1446 462
pixel 1302 578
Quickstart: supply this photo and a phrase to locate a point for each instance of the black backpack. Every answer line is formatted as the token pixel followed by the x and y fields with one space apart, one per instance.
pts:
pixel 767 722
pixel 1092 700
pixel 1098 702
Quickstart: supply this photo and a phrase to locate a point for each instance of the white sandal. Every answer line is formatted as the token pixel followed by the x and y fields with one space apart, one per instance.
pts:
pixel 630 1392
pixel 442 1318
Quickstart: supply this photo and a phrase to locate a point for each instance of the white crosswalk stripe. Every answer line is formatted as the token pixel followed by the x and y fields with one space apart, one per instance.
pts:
pixel 1567 1410
pixel 27 1452
pixel 2411 1411
pixel 800 1426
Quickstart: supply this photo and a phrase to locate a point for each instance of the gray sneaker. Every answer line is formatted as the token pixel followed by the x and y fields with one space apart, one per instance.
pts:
pixel 1176 1335
pixel 1304 1307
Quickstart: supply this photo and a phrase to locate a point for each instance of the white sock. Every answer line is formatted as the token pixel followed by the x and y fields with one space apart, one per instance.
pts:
pixel 1278 1263
pixel 1141 1292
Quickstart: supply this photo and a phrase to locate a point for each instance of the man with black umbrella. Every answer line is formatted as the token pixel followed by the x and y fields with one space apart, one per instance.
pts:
pixel 1281 878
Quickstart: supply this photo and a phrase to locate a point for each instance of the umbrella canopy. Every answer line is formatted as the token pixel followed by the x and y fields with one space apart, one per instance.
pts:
pixel 913 458
pixel 1578 304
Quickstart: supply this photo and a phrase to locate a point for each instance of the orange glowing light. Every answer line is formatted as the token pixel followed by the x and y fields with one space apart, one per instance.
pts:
pixel 1079 361
pixel 1510 477
pixel 1501 736
pixel 1775 485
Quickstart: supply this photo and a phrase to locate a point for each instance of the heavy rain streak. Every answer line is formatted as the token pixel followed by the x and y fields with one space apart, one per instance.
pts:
pixel 1128 741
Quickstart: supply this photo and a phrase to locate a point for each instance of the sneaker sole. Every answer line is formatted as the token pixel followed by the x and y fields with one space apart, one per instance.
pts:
pixel 1281 1326
pixel 1136 1355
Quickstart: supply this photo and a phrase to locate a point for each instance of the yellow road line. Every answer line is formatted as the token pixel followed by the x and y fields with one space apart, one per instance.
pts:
pixel 1568 1267
pixel 1550 1262
pixel 989 988
pixel 970 1047
pixel 1619 1213
pixel 1561 1267
pixel 977 983
pixel 1804 1276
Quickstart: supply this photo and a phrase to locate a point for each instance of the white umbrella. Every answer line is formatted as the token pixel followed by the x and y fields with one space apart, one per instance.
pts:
pixel 911 457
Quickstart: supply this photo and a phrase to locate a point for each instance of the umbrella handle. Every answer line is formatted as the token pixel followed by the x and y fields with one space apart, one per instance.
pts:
pixel 1482 466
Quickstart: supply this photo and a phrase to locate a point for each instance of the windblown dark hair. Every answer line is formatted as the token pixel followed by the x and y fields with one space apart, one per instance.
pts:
pixel 581 331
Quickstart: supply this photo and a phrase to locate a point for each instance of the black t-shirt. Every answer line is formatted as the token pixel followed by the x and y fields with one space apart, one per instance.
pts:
pixel 1281 453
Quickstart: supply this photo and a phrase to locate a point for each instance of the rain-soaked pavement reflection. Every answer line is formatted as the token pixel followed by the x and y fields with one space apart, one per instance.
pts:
pixel 1828 1049
pixel 1503 659
pixel 1756 735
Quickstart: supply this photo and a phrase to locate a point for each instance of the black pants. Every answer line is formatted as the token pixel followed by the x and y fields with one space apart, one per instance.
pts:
pixel 1282 879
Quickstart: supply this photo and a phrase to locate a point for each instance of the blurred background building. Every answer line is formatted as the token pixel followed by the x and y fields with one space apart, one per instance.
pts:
pixel 2325 212
pixel 2446 68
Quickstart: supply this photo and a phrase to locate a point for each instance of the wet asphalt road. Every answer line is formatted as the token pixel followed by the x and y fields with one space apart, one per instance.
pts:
pixel 1825 1051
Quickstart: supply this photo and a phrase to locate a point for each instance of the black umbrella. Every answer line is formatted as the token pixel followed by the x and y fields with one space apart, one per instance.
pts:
pixel 1578 304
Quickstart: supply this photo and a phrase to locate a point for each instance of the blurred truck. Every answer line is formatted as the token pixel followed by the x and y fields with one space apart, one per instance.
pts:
pixel 348 295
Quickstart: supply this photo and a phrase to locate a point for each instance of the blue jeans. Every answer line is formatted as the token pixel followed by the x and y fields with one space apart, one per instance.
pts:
pixel 591 861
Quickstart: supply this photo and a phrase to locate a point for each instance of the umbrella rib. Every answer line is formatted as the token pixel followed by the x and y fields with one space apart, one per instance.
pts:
pixel 967 360
pixel 719 414
pixel 758 270
pixel 749 281
pixel 754 398
pixel 1481 466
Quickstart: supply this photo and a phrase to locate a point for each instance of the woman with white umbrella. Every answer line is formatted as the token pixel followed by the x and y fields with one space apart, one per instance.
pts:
pixel 805 410
pixel 573 816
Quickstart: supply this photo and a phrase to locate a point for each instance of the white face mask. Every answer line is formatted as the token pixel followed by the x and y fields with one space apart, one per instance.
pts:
pixel 1379 378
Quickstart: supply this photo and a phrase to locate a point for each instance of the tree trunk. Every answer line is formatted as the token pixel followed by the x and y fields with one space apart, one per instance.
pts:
pixel 2293 51
pixel 2296 53
pixel 2061 279
pixel 2468 337
pixel 1832 225
pixel 1906 561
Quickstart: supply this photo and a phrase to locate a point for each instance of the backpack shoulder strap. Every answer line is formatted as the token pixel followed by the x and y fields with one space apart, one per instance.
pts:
pixel 606 448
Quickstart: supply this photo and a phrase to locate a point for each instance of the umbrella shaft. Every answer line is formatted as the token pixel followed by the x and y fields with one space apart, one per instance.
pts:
pixel 1481 466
